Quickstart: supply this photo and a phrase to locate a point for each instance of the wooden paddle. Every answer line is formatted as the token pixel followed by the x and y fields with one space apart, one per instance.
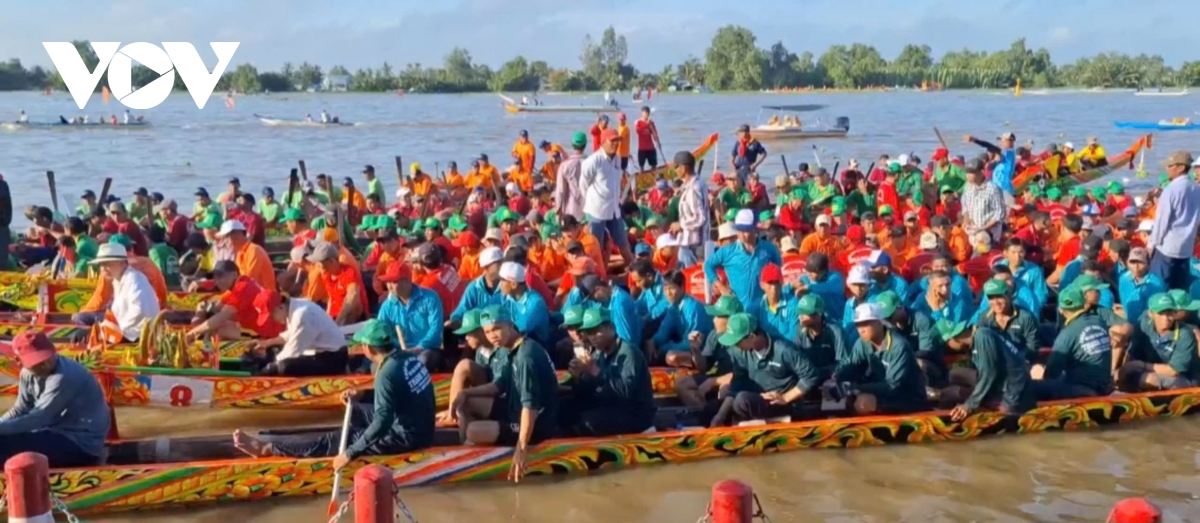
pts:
pixel 786 172
pixel 303 171
pixel 53 189
pixel 940 139
pixel 293 181
pixel 337 476
pixel 400 171
pixel 104 192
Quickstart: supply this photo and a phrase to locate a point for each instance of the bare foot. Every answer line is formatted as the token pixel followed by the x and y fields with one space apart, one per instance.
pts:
pixel 252 446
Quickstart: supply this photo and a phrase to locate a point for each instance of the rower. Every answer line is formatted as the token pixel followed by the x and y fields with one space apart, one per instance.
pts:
pixel 523 404
pixel 528 309
pixel 23 118
pixel 879 265
pixel 858 282
pixel 251 258
pixel 1080 365
pixel 612 392
pixel 880 372
pixel 937 304
pixel 233 310
pixel 413 314
pixel 710 359
pixel 484 367
pixel 1162 355
pixel 770 376
pixel 999 379
pixel 685 319
pixel 128 117
pixel 311 344
pixel 308 118
pixel 818 337
pixel 60 410
pixel 776 310
pixel 622 307
pixel 134 301
pixel 324 116
pixel 1001 314
pixel 401 420
pixel 343 283
pixel 482 291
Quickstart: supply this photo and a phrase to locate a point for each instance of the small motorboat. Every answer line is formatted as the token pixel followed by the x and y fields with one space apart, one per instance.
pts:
pixel 1174 124
pixel 784 126
pixel 283 122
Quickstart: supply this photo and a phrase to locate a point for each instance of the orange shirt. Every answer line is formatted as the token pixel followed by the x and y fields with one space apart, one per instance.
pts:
pixel 488 173
pixel 828 245
pixel 591 247
pixel 663 263
pixel 521 177
pixel 314 289
pixel 477 179
pixel 527 153
pixel 468 264
pixel 355 198
pixel 454 179
pixel 959 245
pixel 551 263
pixel 253 261
pixel 103 293
pixel 337 283
pixel 623 147
pixel 385 259
pixel 421 184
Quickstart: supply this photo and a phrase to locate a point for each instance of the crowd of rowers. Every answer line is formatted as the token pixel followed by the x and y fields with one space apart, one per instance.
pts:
pixel 829 299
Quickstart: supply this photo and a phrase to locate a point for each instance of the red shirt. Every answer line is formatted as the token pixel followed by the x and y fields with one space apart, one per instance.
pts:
pixel 595 137
pixel 793 267
pixel 950 211
pixel 887 196
pixel 452 253
pixel 1033 244
pixel 790 218
pixel 852 256
pixel 140 246
pixel 1068 251
pixel 535 282
pixel 520 204
pixel 337 283
pixel 978 270
pixel 373 255
pixel 645 135
pixel 241 298
pixel 47 239
pixel 300 239
pixel 917 266
pixel 177 231
pixel 446 282
pixel 256 226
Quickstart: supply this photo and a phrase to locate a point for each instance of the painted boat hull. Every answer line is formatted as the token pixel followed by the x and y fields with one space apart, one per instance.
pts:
pixel 69 296
pixel 157 486
pixel 1120 161
pixel 281 122
pixel 1160 93
pixel 647 179
pixel 1156 126
pixel 17 126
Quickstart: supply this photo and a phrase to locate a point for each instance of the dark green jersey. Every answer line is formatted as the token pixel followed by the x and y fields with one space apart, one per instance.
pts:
pixel 929 345
pixel 496 362
pixel 716 356
pixel 532 384
pixel 890 372
pixel 404 407
pixel 778 369
pixel 1021 329
pixel 1003 372
pixel 825 349
pixel 1082 354
pixel 623 381
pixel 1176 348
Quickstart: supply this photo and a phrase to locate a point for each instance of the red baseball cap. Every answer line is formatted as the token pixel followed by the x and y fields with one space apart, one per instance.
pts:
pixel 395 272
pixel 771 274
pixel 1134 510
pixel 265 303
pixel 609 134
pixel 30 348
pixel 466 239
pixel 941 153
pixel 856 233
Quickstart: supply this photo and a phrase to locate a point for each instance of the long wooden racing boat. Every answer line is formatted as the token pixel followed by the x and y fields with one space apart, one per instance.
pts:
pixel 36 293
pixel 1034 172
pixel 647 179
pixel 152 474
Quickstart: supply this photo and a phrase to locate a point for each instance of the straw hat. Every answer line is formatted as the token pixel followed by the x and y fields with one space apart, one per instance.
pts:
pixel 110 252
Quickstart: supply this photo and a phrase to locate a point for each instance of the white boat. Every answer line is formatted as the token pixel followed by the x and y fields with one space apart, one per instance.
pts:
pixel 281 122
pixel 18 126
pixel 790 127
pixel 512 106
pixel 1161 93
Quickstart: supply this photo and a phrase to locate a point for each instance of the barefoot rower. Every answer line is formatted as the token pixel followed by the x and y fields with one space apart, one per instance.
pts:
pixel 311 344
pixel 770 376
pixel 133 299
pixel 59 411
pixel 612 390
pixel 999 379
pixel 488 363
pixel 1080 365
pixel 881 371
pixel 1163 353
pixel 401 419
pixel 524 409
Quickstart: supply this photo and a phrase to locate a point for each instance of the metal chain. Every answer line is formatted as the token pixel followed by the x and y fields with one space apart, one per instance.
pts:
pixel 404 508
pixel 707 515
pixel 3 501
pixel 62 507
pixel 341 511
pixel 758 511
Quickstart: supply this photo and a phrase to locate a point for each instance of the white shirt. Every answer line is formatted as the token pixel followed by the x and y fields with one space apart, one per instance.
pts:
pixel 324 117
pixel 309 330
pixel 134 303
pixel 600 181
pixel 126 116
pixel 23 118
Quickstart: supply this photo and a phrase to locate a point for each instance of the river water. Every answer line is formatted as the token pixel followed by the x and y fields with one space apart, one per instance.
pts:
pixel 1050 478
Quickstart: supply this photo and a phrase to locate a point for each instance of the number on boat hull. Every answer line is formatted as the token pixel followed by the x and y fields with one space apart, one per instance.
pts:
pixel 174 391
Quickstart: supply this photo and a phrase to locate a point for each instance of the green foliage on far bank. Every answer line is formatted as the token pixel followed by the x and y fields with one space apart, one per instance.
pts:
pixel 733 61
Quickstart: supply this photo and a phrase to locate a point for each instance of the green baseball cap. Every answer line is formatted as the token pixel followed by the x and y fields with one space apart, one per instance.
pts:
pixel 655 221
pixel 210 221
pixel 579 139
pixel 594 317
pixel 1183 300
pixel 1054 193
pixel 888 302
pixel 1078 191
pixel 895 168
pixel 1036 191
pixel 550 230
pixel 368 223
pixel 1087 282
pixel 1099 192
pixel 730 215
pixel 384 222
pixel 766 215
pixel 1116 188
pixel 373 334
pixel 121 239
pixel 432 223
pixel 504 214
pixel 572 316
pixel 725 307
pixel 810 304
pixel 470 323
pixel 740 326
pixel 1070 299
pixel 1161 303
pixel 995 287
pixel 458 223
pixel 318 223
pixel 946 189
pixel 837 208
pixel 492 314
pixel 885 209
pixel 948 330
pixel 292 214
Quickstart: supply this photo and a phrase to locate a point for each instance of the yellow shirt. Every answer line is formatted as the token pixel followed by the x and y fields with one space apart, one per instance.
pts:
pixel 623 148
pixel 1093 154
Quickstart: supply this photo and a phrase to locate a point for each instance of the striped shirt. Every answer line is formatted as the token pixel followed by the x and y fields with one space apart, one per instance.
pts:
pixel 983 204
pixel 693 212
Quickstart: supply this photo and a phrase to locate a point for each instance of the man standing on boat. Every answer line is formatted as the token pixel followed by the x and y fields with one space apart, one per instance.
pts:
pixel 568 195
pixel 600 181
pixel 648 141
pixel 60 411
pixel 748 153
pixel 746 257
pixel 983 205
pixel 1176 219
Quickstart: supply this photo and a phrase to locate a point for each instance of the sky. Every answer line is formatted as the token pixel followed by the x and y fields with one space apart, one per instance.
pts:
pixel 366 33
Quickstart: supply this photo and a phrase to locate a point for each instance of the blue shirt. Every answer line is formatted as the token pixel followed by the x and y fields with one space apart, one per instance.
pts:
pixel 1003 171
pixel 832 290
pixel 69 402
pixel 1070 271
pixel 679 322
pixel 624 312
pixel 477 296
pixel 1176 219
pixel 420 319
pixel 954 310
pixel 1135 295
pixel 959 288
pixel 782 323
pixel 742 268
pixel 894 283
pixel 1031 277
pixel 530 315
pixel 652 303
pixel 1022 298
pixel 754 149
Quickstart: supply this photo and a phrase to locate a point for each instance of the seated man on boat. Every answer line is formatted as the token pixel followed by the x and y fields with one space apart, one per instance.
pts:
pixel 611 393
pixel 522 404
pixel 311 344
pixel 880 373
pixel 1093 155
pixel 232 312
pixel 343 284
pixel 998 379
pixel 60 411
pixel 770 376
pixel 486 364
pixel 413 314
pixel 1163 352
pixel 1080 364
pixel 133 298
pixel 401 419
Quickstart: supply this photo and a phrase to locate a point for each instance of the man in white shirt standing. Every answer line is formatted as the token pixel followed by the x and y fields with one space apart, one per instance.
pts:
pixel 600 181
pixel 692 227
pixel 133 302
pixel 311 344
pixel 1173 236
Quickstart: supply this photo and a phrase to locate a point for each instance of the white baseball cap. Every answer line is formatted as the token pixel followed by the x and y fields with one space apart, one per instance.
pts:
pixel 512 187
pixel 788 244
pixel 403 191
pixel 494 233
pixel 726 231
pixel 1068 145
pixel 929 240
pixel 230 226
pixel 822 219
pixel 512 271
pixel 666 240
pixel 858 274
pixel 867 312
pixel 1145 226
pixel 902 159
pixel 745 221
pixel 489 256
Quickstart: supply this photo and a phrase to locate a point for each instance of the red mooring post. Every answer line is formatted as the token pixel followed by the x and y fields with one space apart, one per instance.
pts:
pixel 27 476
pixel 374 495
pixel 732 502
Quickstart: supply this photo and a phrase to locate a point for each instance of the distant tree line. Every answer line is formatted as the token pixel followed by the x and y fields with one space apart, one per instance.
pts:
pixel 733 61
